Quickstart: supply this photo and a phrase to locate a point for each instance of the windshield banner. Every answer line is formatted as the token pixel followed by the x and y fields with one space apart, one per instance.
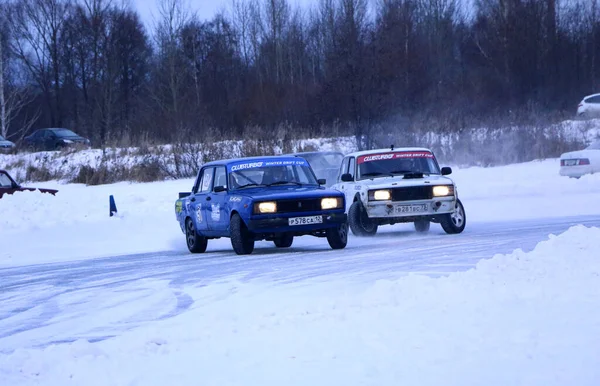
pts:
pixel 270 163
pixel 389 156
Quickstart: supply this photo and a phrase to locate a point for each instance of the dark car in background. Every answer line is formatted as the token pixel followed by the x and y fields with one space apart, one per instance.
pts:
pixel 9 186
pixel 325 164
pixel 6 145
pixel 53 139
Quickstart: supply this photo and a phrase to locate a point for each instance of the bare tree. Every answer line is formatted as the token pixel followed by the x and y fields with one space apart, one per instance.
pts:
pixel 13 100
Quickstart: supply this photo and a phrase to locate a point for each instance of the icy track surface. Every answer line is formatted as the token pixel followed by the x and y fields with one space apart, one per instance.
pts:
pixel 90 300
pixel 526 318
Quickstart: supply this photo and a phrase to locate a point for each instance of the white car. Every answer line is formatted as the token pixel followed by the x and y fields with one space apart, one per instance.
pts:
pixel 589 106
pixel 6 145
pixel 390 186
pixel 578 163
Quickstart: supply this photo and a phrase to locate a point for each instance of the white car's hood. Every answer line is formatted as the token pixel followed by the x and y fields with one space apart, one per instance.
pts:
pixel 399 181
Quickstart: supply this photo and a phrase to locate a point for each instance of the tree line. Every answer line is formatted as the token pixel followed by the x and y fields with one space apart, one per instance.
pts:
pixel 356 65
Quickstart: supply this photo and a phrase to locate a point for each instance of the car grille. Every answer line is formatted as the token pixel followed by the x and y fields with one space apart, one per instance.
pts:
pixel 412 193
pixel 303 205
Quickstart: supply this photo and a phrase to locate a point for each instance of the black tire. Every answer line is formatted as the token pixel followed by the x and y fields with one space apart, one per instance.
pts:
pixel 195 242
pixel 360 224
pixel 338 237
pixel 241 238
pixel 454 223
pixel 284 241
pixel 422 226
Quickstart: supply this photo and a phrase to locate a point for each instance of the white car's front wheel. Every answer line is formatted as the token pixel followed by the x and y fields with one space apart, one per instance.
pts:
pixel 360 223
pixel 455 222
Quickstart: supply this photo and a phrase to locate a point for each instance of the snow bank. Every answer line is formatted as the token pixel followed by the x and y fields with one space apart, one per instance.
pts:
pixel 519 319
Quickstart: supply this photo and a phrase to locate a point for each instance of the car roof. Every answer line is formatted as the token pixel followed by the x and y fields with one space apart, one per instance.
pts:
pixel 226 162
pixel 315 152
pixel 387 150
pixel 591 95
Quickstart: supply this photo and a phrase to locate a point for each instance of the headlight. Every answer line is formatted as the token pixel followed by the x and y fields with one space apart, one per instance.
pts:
pixel 443 190
pixel 329 203
pixel 67 141
pixel 267 207
pixel 380 195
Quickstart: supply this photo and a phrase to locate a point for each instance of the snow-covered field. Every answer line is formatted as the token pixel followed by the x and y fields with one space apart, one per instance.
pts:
pixel 523 318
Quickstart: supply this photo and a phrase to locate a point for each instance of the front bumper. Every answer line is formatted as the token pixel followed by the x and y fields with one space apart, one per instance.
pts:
pixel 417 208
pixel 280 223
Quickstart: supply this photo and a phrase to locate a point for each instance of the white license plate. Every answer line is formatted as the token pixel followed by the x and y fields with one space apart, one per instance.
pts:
pixel 571 162
pixel 410 208
pixel 305 220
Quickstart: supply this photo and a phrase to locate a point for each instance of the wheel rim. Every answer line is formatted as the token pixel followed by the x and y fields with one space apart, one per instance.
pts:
pixel 190 233
pixel 458 217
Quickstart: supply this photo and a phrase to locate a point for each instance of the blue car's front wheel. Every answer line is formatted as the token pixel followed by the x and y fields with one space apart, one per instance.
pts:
pixel 195 242
pixel 242 239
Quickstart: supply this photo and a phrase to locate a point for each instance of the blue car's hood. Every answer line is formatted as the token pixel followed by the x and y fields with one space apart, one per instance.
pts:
pixel 287 192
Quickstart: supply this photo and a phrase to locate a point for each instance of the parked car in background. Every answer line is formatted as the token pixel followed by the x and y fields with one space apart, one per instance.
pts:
pixel 260 198
pixel 589 106
pixel 9 186
pixel 390 186
pixel 325 164
pixel 578 163
pixel 6 145
pixel 53 139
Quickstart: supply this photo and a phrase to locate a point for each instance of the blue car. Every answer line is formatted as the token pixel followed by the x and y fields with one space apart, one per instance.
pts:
pixel 262 198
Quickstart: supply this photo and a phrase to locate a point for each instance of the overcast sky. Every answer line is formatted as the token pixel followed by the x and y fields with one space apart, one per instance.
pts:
pixel 205 9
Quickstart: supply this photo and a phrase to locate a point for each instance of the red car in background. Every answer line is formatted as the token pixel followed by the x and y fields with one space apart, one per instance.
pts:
pixel 8 186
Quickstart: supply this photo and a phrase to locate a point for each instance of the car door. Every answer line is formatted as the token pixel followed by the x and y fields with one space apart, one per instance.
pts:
pixel 217 208
pixel 199 199
pixel 347 187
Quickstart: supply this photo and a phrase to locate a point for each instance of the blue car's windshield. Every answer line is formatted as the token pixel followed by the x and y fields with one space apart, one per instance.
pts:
pixel 266 176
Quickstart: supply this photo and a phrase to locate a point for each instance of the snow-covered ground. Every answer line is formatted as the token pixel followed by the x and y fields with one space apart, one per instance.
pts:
pixel 398 309
pixel 518 319
pixel 75 224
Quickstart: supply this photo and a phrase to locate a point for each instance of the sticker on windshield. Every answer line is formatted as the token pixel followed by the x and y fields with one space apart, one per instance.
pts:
pixel 389 156
pixel 253 165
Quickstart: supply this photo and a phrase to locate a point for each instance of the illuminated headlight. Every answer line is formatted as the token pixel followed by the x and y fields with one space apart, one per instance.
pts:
pixel 67 141
pixel 380 195
pixel 267 207
pixel 443 190
pixel 329 203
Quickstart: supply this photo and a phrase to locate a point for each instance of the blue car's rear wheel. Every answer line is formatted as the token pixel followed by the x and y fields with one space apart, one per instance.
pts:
pixel 195 242
pixel 242 239
pixel 338 237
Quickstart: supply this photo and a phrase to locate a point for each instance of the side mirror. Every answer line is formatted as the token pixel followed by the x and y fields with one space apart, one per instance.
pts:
pixel 184 194
pixel 219 189
pixel 446 170
pixel 347 177
pixel 322 181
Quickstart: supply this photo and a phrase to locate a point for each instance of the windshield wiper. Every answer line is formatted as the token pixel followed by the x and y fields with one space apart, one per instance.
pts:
pixel 284 182
pixel 249 185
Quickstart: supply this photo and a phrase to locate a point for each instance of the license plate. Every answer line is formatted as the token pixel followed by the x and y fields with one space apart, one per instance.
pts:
pixel 571 162
pixel 305 220
pixel 411 208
